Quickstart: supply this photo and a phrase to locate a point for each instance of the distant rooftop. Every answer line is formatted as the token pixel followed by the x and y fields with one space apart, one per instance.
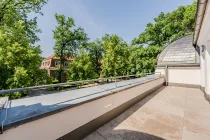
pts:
pixel 54 57
pixel 178 52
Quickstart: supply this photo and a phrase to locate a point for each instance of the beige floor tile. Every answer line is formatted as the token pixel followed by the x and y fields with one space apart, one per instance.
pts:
pixel 197 116
pixel 174 106
pixel 164 126
pixel 177 92
pixel 153 104
pixel 189 135
pixel 171 113
pixel 145 136
pixel 138 118
pixel 197 105
pixel 176 102
pixel 195 93
pixel 197 122
pixel 94 136
pixel 125 125
pixel 159 94
pixel 173 110
pixel 110 132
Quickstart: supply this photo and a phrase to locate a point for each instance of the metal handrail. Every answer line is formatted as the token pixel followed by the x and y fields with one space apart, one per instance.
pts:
pixel 68 83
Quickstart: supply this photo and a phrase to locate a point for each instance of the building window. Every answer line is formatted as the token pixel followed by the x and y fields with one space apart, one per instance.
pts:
pixel 66 63
pixel 57 62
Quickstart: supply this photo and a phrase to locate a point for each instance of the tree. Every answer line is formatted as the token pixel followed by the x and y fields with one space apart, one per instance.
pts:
pixel 143 60
pixel 12 11
pixel 95 50
pixel 168 27
pixel 165 29
pixel 82 68
pixel 19 57
pixel 114 59
pixel 189 17
pixel 67 39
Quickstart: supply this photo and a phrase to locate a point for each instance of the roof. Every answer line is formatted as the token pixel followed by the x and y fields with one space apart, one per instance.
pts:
pixel 200 14
pixel 54 57
pixel 179 52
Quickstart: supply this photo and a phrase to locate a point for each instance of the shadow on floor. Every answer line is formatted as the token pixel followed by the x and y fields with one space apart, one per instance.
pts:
pixel 134 135
pixel 127 134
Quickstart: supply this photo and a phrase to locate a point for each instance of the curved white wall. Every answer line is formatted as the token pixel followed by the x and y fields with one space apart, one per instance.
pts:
pixel 182 75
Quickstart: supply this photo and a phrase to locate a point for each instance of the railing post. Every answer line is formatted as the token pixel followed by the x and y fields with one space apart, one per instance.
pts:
pixel 115 83
pixel 166 75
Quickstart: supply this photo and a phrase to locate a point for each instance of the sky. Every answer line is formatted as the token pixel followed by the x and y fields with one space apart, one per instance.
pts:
pixel 126 18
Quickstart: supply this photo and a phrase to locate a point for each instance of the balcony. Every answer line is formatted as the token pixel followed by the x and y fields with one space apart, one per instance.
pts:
pixel 140 108
pixel 172 113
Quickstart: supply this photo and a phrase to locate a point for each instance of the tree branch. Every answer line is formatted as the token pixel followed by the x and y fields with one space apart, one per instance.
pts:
pixel 6 4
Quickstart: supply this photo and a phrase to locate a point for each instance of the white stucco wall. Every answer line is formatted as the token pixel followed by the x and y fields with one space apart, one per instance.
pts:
pixel 190 75
pixel 160 70
pixel 182 75
pixel 202 66
pixel 204 39
pixel 57 125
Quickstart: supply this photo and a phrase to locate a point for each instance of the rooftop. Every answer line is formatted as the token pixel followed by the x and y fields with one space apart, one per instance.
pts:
pixel 180 51
pixel 54 57
pixel 22 110
pixel 172 113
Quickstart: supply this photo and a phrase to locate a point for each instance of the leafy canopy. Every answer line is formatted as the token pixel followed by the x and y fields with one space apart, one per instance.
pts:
pixel 115 57
pixel 96 51
pixel 12 11
pixel 143 60
pixel 168 27
pixel 82 68
pixel 19 57
pixel 68 39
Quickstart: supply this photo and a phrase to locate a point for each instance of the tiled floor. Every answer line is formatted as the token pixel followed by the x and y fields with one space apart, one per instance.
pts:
pixel 172 113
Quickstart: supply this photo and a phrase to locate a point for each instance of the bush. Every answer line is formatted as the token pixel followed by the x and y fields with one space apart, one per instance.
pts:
pixel 55 81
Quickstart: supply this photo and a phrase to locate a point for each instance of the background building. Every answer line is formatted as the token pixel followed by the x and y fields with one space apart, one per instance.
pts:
pixel 51 64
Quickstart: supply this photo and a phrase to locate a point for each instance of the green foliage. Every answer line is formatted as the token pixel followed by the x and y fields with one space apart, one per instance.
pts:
pixel 12 11
pixel 55 81
pixel 19 57
pixel 168 27
pixel 40 77
pixel 68 39
pixel 95 50
pixel 82 68
pixel 143 60
pixel 19 79
pixel 189 17
pixel 115 57
pixel 165 29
